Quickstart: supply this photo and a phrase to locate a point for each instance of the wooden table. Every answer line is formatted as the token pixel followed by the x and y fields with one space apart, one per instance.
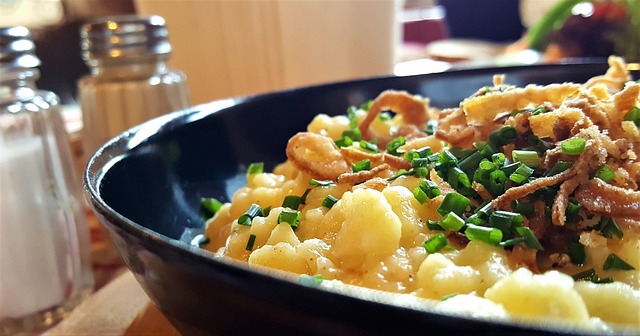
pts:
pixel 119 308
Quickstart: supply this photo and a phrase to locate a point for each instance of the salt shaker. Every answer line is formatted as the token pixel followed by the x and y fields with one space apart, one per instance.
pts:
pixel 45 267
pixel 130 81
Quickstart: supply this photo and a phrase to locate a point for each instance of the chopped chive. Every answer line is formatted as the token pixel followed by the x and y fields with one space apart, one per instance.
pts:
pixel 209 206
pixel 517 178
pixel 476 220
pixel 291 217
pixel 539 110
pixel 311 280
pixel 573 146
pixel 576 251
pixel 420 195
pixel 488 150
pixel 253 211
pixel 436 243
pixel 421 172
pixel 633 115
pixel 484 210
pixel 510 168
pixel 590 275
pixel 505 220
pixel 558 168
pixel 292 202
pixel 353 134
pixel 458 179
pixel 452 222
pixel 587 275
pixel 446 157
pixel 499 159
pixel 430 188
pixel 401 172
pixel 503 136
pixel 303 198
pixel 251 242
pixel 615 262
pixel 322 183
pixel 485 168
pixel 453 202
pixel 609 228
pixel 605 173
pixel 371 147
pixel 573 208
pixel 423 152
pixel 352 116
pixel 512 241
pixel 521 174
pixel 329 201
pixel 483 233
pixel 529 158
pixel 471 162
pixel 393 145
pixel 362 165
pixel 255 168
pixel 411 155
pixel 265 211
pixel 530 238
pixel 420 162
pixel 344 141
pixel 434 225
pixel 496 184
pixel 602 280
pixel 461 153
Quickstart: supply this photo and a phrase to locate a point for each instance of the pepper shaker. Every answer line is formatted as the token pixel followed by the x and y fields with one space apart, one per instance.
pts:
pixel 130 81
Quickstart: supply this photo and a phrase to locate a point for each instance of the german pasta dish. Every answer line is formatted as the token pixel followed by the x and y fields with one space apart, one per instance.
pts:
pixel 522 203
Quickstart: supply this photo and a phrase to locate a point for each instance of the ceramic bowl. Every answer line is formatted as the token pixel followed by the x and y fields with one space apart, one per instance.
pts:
pixel 145 186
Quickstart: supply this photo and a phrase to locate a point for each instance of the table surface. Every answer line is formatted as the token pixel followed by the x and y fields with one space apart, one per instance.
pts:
pixel 121 307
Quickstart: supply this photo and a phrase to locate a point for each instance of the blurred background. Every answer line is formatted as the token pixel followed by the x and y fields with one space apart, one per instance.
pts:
pixel 231 48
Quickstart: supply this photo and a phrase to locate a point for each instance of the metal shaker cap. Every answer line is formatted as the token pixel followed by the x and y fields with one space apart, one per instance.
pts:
pixel 125 36
pixel 17 49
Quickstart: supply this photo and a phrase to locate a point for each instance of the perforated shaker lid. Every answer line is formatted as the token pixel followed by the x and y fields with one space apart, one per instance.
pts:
pixel 124 36
pixel 17 50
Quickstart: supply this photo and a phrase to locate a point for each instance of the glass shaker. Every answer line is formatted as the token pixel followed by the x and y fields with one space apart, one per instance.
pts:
pixel 45 267
pixel 130 81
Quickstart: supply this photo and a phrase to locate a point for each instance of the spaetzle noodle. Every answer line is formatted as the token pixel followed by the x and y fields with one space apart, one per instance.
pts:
pixel 521 203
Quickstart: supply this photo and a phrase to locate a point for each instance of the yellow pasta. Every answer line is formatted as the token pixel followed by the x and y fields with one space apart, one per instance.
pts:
pixel 532 215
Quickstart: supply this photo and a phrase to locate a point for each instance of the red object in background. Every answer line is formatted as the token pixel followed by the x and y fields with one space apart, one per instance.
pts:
pixel 424 31
pixel 610 11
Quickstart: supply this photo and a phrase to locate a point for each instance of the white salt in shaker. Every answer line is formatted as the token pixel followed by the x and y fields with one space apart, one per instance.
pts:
pixel 130 81
pixel 45 269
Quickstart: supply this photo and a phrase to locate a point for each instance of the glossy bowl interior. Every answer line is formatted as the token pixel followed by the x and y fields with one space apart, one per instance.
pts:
pixel 145 186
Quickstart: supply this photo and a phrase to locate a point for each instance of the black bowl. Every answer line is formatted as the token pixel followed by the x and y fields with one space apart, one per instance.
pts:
pixel 145 186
